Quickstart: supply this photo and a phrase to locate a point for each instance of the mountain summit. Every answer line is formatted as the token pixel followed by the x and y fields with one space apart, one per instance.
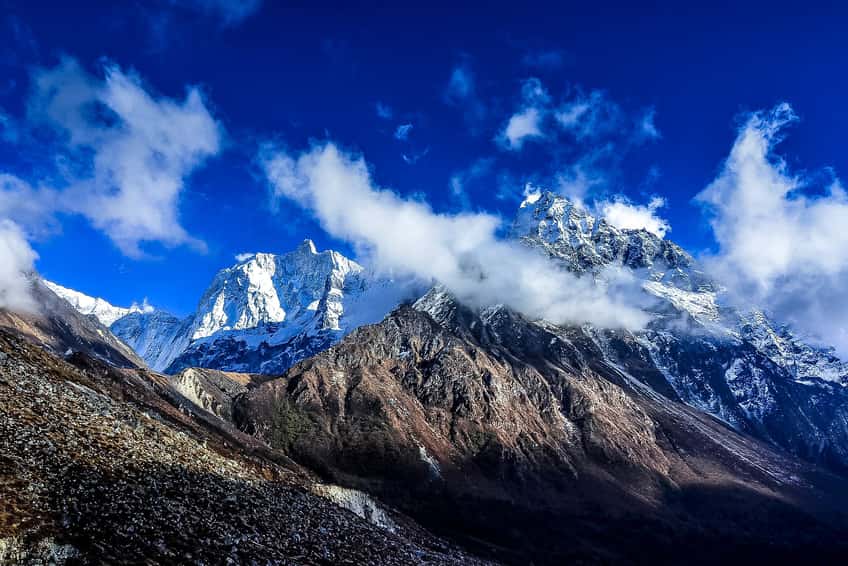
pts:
pixel 265 312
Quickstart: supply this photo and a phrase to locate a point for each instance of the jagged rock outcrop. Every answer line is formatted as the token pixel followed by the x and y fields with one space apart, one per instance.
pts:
pixel 733 363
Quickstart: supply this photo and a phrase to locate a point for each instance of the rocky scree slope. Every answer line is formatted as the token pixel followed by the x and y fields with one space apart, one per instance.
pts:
pixel 98 466
pixel 522 440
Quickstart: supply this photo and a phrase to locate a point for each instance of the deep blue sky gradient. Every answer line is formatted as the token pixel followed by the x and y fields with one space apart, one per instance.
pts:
pixel 302 71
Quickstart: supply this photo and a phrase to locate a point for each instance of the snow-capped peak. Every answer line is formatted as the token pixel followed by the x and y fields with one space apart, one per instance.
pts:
pixel 104 311
pixel 283 290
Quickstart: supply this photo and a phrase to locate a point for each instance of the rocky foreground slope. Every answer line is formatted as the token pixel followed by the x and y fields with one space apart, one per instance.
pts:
pixel 97 466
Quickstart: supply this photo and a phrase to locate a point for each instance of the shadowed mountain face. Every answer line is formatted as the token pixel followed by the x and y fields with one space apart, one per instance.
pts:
pixel 521 439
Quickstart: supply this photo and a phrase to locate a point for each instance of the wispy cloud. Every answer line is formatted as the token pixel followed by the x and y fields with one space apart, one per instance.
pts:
pixel 778 246
pixel 402 132
pixel 458 183
pixel 384 111
pixel 461 85
pixel 585 136
pixel 229 12
pixel 413 157
pixel 460 251
pixel 461 92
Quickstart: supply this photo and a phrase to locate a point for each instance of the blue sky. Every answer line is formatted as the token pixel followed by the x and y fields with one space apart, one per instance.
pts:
pixel 455 72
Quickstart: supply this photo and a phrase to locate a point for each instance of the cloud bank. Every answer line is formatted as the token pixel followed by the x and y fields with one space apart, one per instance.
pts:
pixel 460 251
pixel 777 245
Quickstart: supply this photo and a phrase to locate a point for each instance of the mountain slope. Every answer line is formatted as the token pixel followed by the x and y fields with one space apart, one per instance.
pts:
pixel 103 311
pixel 59 327
pixel 521 439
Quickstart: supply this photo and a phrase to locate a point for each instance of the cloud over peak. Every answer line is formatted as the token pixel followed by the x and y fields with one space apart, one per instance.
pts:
pixel 460 250
pixel 625 215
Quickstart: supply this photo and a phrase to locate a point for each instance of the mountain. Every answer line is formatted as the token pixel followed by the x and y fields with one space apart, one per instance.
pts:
pixel 730 361
pixel 103 311
pixel 526 442
pixel 265 313
pixel 58 326
pixel 157 336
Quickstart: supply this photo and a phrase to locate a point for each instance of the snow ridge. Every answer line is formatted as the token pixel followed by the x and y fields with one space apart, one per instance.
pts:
pixel 104 311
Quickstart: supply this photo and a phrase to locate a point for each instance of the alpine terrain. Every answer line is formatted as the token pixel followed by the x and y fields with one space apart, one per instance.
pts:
pixel 713 434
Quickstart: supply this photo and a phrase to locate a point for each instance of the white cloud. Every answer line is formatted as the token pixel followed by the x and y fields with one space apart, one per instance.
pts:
pixel 647 126
pixel 590 117
pixel 779 247
pixel 461 250
pixel 384 111
pixel 520 127
pixel 241 258
pixel 33 209
pixel 577 181
pixel 628 216
pixel 230 12
pixel 126 154
pixel 526 123
pixel 402 131
pixel 16 262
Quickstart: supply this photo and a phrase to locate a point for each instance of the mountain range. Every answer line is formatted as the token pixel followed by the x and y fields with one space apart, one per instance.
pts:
pixel 268 312
pixel 516 438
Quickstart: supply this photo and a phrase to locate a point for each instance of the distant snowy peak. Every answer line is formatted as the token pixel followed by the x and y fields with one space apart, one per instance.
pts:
pixel 268 290
pixel 267 312
pixel 566 230
pixel 104 311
